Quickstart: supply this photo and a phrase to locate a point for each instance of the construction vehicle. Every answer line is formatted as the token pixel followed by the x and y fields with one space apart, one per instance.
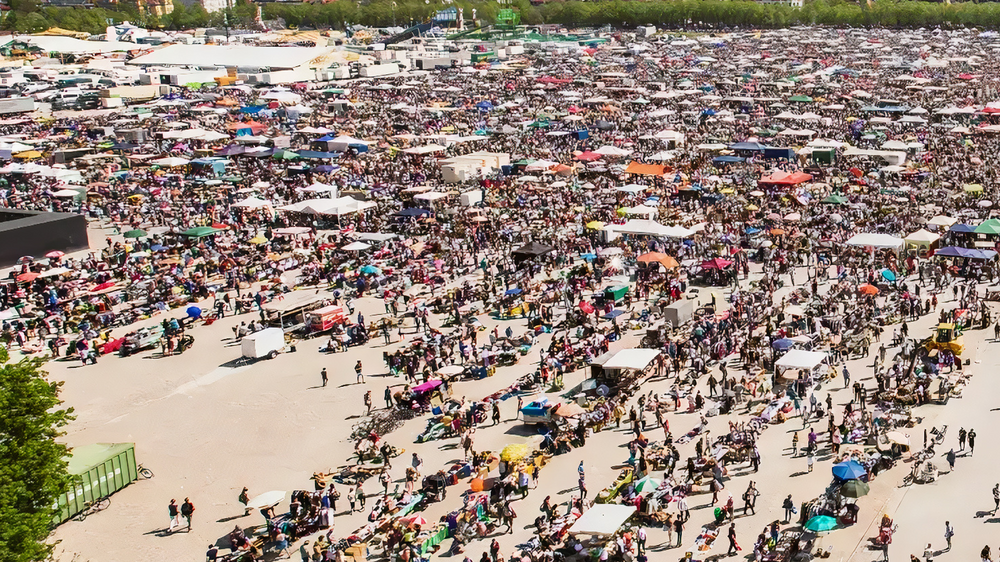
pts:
pixel 948 337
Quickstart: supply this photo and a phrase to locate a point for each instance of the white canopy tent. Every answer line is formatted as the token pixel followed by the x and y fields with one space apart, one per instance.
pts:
pixel 602 520
pixel 637 359
pixel 800 360
pixel 875 240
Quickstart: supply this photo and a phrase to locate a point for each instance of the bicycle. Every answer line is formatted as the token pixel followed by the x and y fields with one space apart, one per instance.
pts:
pixel 144 472
pixel 93 507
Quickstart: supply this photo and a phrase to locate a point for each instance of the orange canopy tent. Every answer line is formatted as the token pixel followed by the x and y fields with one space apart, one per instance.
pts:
pixel 646 169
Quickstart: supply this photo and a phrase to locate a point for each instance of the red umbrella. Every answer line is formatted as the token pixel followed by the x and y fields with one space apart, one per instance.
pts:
pixel 220 226
pixel 27 277
pixel 716 263
pixel 588 156
pixel 586 307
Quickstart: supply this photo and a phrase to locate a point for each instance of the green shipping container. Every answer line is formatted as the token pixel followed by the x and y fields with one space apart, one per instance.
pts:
pixel 98 470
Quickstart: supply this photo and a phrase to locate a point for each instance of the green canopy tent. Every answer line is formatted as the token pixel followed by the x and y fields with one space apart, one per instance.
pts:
pixel 835 199
pixel 200 232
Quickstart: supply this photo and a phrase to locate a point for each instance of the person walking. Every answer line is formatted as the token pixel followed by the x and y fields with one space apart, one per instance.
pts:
pixel 996 498
pixel 281 544
pixel 368 402
pixel 847 377
pixel 985 554
pixel 387 396
pixel 789 507
pixel 948 533
pixel 245 499
pixel 583 488
pixel 640 541
pixel 357 370
pixel 174 512
pixel 928 553
pixel 352 498
pixel 733 547
pixel 961 438
pixel 361 497
pixel 972 441
pixel 187 510
pixel 679 530
pixel 323 377
pixel 951 459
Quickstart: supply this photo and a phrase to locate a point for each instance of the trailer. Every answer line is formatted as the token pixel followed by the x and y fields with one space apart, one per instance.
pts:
pixel 265 343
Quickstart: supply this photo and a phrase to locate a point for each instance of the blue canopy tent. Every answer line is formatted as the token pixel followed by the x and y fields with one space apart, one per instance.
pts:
pixel 747 146
pixel 728 160
pixel 317 154
pixel 413 212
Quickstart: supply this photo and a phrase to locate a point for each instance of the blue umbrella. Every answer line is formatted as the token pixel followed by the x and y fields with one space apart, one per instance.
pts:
pixel 370 270
pixel 157 248
pixel 888 275
pixel 193 312
pixel 588 256
pixel 514 291
pixel 849 470
pixel 821 523
pixel 782 344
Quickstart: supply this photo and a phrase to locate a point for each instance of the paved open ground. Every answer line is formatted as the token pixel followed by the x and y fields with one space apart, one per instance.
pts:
pixel 207 426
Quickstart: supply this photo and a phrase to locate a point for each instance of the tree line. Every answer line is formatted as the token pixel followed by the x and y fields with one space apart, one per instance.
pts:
pixel 27 16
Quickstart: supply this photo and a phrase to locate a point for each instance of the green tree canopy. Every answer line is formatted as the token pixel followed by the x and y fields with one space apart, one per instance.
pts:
pixel 33 467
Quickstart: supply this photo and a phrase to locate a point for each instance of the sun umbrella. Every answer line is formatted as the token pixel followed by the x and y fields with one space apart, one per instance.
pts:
pixel 370 270
pixel 417 521
pixel 193 312
pixel 821 523
pixel 586 307
pixel 267 499
pixel 137 233
pixel 651 257
pixel 782 344
pixel 595 225
pixel 888 275
pixel 569 410
pixel 716 263
pixel 29 276
pixel 849 470
pixel 55 254
pixel 646 484
pixel 259 239
pixel 854 489
pixel 868 289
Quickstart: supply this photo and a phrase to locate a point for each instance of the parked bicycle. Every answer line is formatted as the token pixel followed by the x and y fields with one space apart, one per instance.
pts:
pixel 89 508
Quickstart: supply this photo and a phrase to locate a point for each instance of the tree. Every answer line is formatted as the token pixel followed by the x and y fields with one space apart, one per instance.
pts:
pixel 33 470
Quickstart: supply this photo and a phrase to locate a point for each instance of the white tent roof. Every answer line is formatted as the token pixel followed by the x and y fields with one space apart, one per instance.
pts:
pixel 71 45
pixel 875 240
pixel 229 55
pixel 941 220
pixel 650 228
pixel 800 359
pixel 922 236
pixel 638 358
pixel 252 203
pixel 602 520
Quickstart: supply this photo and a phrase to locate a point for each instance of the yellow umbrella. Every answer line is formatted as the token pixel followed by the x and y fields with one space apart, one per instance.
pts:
pixel 595 225
pixel 514 452
pixel 28 154
pixel 752 207
pixel 259 239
